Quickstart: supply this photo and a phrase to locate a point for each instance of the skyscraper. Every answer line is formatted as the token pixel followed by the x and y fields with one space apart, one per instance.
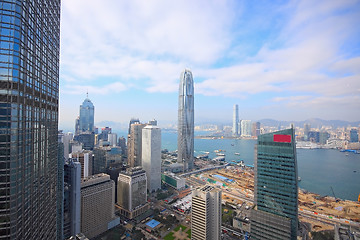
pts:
pixel 29 95
pixel 276 187
pixel 306 131
pixel 354 136
pixel 235 130
pixel 206 213
pixel 186 120
pixel 86 119
pixel 151 156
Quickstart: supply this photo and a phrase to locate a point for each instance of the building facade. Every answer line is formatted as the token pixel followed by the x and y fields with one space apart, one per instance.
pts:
pixel 235 127
pixel 29 95
pixel 151 156
pixel 72 198
pixel 97 204
pixel 132 192
pixel 186 120
pixel 275 215
pixel 206 213
pixel 85 158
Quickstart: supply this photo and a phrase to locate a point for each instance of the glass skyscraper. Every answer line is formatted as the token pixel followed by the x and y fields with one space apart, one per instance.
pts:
pixel 86 120
pixel 29 81
pixel 186 120
pixel 275 215
pixel 235 130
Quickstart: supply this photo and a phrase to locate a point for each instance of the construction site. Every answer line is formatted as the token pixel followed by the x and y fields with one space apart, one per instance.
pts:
pixel 322 212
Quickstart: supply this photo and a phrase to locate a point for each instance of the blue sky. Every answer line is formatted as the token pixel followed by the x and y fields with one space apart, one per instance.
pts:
pixel 286 60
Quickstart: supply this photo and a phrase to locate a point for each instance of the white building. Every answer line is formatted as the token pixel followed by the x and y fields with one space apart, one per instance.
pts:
pixel 112 138
pixel 206 213
pixel 151 156
pixel 245 128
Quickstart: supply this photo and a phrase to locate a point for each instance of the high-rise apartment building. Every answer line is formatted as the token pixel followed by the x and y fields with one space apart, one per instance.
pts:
pixel 235 130
pixel 275 215
pixel 86 119
pixel 245 128
pixel 97 205
pixel 72 198
pixel 206 213
pixel 151 156
pixel 135 144
pixel 255 130
pixel 186 120
pixel 132 192
pixel 29 95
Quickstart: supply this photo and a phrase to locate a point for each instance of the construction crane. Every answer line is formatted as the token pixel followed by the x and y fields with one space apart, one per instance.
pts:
pixel 336 200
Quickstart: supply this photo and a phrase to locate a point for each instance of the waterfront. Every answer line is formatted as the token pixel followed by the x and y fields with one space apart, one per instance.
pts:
pixel 318 168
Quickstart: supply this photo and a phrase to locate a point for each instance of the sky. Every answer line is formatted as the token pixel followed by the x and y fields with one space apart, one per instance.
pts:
pixel 285 60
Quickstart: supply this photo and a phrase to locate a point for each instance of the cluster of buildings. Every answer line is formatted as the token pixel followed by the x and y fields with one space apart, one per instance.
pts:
pixel 244 128
pixel 56 186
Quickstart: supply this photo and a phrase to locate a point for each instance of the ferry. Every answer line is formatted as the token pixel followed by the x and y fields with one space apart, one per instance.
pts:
pixel 220 154
pixel 219 159
pixel 237 153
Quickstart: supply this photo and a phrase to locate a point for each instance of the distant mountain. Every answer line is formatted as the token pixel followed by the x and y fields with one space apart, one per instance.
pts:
pixel 314 122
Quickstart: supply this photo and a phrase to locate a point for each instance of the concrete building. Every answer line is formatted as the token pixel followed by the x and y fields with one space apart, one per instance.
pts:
pixel 132 192
pixel 255 129
pixel 245 128
pixel 186 120
pixel 354 136
pixel 29 108
pixel 235 127
pixel 97 205
pixel 72 198
pixel 206 213
pixel 85 158
pixel 275 215
pixel 67 139
pixel 135 144
pixel 151 156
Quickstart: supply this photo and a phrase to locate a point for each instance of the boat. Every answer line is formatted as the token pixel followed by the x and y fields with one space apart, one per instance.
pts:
pixel 219 159
pixel 220 154
pixel 237 153
pixel 299 179
pixel 216 151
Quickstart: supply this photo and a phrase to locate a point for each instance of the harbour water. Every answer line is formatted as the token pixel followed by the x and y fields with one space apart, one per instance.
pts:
pixel 319 169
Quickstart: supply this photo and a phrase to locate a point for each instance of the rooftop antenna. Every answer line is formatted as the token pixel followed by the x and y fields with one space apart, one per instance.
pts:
pixel 87 93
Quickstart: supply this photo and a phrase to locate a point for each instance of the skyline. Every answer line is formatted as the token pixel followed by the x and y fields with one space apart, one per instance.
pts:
pixel 286 60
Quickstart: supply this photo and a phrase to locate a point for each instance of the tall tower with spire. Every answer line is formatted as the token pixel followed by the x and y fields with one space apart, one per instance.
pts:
pixel 186 120
pixel 86 119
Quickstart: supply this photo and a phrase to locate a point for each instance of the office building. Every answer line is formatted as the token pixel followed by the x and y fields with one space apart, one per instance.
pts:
pixel 87 139
pixel 135 144
pixel 151 156
pixel 276 187
pixel 323 137
pixel 235 130
pixel 206 213
pixel 314 136
pixel 122 145
pixel 132 192
pixel 186 120
pixel 106 157
pixel 72 198
pixel 152 122
pixel 85 158
pixel 86 118
pixel 104 135
pixel 173 181
pixel 354 136
pixel 97 205
pixel 245 128
pixel 67 139
pixel 29 96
